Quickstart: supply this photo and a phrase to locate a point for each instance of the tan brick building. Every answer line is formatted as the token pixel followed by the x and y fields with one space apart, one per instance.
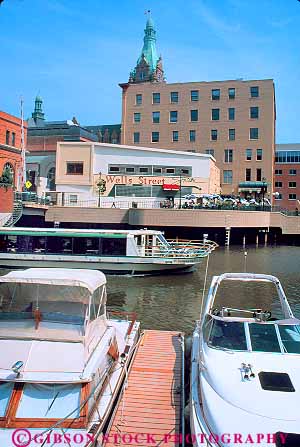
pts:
pixel 232 120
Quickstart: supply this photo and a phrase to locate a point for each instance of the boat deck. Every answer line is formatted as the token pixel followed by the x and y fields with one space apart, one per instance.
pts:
pixel 149 410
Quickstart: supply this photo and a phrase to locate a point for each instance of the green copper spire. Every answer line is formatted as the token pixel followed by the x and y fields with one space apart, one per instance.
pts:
pixel 38 111
pixel 149 65
pixel 149 48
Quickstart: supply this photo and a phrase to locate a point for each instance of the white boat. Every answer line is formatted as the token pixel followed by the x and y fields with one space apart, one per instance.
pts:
pixel 245 381
pixel 111 251
pixel 62 360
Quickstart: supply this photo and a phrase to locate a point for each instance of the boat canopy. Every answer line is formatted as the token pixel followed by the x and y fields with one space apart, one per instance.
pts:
pixel 88 279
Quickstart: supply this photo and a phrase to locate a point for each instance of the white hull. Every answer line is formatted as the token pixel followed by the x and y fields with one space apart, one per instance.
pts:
pixel 117 265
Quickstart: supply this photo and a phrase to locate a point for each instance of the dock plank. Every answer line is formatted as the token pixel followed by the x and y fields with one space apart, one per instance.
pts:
pixel 150 403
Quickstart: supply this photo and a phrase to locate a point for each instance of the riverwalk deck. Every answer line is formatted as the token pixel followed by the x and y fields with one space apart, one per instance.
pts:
pixel 149 410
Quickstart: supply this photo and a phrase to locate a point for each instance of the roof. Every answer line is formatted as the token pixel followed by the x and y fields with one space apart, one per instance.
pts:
pixel 142 148
pixel 89 279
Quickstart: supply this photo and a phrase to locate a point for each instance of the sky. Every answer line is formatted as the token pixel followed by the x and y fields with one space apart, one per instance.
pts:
pixel 75 53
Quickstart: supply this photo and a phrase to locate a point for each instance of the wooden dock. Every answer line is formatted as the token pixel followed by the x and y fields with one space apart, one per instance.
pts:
pixel 149 411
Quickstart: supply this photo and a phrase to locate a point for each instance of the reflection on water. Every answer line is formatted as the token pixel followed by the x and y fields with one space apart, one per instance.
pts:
pixel 173 302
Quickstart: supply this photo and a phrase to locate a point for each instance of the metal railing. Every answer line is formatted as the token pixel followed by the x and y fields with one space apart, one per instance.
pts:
pixel 16 214
pixel 179 249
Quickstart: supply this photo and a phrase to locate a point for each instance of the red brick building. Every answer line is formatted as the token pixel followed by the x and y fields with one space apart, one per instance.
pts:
pixel 10 156
pixel 287 176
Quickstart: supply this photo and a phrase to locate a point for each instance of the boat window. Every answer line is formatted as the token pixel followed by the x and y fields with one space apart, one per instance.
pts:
pixel 85 246
pixel 56 244
pixel 274 381
pixel 207 326
pixel 264 338
pixel 228 335
pixel 98 302
pixel 6 389
pixel 290 337
pixel 49 401
pixel 113 246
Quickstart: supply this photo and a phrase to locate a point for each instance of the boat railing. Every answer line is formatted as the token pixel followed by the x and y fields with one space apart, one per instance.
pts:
pixel 123 315
pixel 180 249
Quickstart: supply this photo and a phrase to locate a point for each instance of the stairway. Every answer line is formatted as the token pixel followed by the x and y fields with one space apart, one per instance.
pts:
pixel 16 214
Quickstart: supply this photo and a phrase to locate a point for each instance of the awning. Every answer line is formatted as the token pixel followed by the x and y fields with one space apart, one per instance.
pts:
pixel 252 186
pixel 170 187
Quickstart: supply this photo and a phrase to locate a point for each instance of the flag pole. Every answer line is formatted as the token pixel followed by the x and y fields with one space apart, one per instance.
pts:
pixel 23 168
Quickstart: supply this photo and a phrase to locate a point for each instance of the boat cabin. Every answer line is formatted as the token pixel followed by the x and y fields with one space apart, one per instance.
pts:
pixel 54 344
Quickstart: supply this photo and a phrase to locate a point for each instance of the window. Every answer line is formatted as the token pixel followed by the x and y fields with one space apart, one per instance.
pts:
pixel 214 134
pixel 287 157
pixel 227 177
pixel 157 170
pixel 231 134
pixel 156 98
pixel 194 95
pixel 155 117
pixel 138 99
pixel 73 198
pixel 248 175
pixel 185 171
pixel 292 196
pixel 136 117
pixel 136 137
pixel 170 171
pixel 248 154
pixel 215 114
pixel 194 115
pixel 192 135
pixel 114 169
pixel 231 93
pixel 254 112
pixel 292 184
pixel 278 196
pixel 292 172
pixel 130 170
pixel 278 171
pixel 210 152
pixel 144 170
pixel 173 116
pixel 253 133
pixel 13 139
pixel 278 184
pixel 155 137
pixel 228 155
pixel 231 113
pixel 75 168
pixel 215 94
pixel 258 174
pixel 7 137
pixel 173 97
pixel 259 154
pixel 51 179
pixel 175 135
pixel 254 92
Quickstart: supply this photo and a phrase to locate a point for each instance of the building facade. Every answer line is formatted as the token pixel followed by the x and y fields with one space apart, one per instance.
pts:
pixel 11 166
pixel 131 174
pixel 287 176
pixel 232 120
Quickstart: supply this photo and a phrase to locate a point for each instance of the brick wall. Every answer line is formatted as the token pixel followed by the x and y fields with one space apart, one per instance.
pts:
pixel 6 200
pixel 12 124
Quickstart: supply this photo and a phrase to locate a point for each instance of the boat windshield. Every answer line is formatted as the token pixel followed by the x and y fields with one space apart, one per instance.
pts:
pixel 263 337
pixel 228 335
pixel 54 302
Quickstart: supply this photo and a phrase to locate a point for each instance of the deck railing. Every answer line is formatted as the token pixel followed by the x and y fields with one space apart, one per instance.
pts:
pixel 181 249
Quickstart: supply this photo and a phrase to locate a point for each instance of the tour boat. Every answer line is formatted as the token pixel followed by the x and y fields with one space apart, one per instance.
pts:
pixel 245 382
pixel 63 361
pixel 111 251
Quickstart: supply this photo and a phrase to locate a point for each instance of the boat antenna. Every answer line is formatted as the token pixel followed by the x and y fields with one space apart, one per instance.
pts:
pixel 204 285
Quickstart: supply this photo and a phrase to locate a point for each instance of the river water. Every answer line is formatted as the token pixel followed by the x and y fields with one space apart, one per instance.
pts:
pixel 173 302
